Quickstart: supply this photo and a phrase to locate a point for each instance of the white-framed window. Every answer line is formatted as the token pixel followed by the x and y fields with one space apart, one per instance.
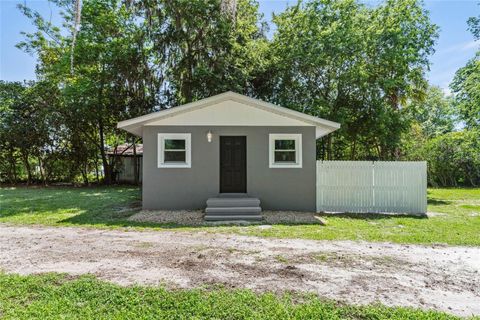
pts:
pixel 174 150
pixel 285 150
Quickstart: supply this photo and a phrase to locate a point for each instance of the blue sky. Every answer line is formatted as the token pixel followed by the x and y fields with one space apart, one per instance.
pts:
pixel 454 47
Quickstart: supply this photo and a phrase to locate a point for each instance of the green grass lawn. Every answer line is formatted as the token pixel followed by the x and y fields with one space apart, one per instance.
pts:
pixel 456 219
pixel 68 205
pixel 54 296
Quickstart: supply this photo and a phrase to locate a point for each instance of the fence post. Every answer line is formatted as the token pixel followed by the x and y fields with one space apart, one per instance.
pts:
pixel 374 207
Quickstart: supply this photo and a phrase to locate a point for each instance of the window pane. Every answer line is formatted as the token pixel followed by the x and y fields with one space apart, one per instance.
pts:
pixel 174 156
pixel 284 144
pixel 174 144
pixel 285 156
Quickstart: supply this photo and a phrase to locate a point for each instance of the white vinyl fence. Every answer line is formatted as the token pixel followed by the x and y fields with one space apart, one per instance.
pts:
pixel 366 186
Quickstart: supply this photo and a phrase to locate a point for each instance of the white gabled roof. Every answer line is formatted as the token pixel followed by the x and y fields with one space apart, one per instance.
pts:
pixel 229 109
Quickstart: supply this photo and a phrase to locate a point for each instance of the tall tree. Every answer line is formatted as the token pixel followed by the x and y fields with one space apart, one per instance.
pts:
pixel 466 88
pixel 112 75
pixel 24 127
pixel 11 93
pixel 435 114
pixel 203 48
pixel 352 64
pixel 466 83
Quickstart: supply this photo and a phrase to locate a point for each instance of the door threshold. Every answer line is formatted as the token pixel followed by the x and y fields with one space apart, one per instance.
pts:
pixel 232 195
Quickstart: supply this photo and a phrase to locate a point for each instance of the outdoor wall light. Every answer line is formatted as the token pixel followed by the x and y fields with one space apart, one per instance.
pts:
pixel 209 136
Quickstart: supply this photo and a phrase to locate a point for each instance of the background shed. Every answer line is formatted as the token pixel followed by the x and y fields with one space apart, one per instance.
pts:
pixel 127 163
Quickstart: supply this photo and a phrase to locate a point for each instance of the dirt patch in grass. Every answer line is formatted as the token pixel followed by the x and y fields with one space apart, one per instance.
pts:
pixel 435 214
pixel 430 277
pixel 293 217
pixel 177 217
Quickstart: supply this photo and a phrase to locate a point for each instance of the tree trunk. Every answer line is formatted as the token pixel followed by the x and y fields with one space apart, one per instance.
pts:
pixel 27 167
pixel 379 150
pixel 135 163
pixel 188 75
pixel 329 147
pixel 353 150
pixel 96 169
pixel 443 180
pixel 13 167
pixel 42 172
pixel 106 165
pixel 107 170
pixel 84 172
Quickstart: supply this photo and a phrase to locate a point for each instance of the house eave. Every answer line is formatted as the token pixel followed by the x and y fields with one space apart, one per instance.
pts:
pixel 133 129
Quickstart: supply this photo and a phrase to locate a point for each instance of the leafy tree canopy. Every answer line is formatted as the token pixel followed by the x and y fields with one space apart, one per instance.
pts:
pixel 466 83
pixel 363 66
pixel 435 114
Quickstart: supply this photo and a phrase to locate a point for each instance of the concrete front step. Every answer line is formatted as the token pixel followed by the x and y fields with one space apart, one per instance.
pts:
pixel 233 210
pixel 231 217
pixel 233 207
pixel 232 202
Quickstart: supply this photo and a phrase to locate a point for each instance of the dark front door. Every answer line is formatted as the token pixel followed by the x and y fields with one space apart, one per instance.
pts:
pixel 233 164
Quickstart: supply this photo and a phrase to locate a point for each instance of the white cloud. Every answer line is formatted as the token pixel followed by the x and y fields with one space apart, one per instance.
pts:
pixel 446 61
pixel 474 44
pixel 460 47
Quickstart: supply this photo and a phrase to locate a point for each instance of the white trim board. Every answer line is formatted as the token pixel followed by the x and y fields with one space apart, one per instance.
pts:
pixel 229 109
pixel 297 137
pixel 161 150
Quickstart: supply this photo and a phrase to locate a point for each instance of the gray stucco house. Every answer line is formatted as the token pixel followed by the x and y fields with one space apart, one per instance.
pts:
pixel 230 153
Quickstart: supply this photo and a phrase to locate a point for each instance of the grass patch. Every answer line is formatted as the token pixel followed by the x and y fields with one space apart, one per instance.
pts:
pixel 69 205
pixel 55 296
pixel 281 259
pixel 456 221
pixel 455 218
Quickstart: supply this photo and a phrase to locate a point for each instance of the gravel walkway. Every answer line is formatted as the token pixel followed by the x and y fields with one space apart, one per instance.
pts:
pixel 442 278
pixel 195 217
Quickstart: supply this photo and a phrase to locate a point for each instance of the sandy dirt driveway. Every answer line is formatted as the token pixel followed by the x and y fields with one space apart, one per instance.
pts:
pixel 438 277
